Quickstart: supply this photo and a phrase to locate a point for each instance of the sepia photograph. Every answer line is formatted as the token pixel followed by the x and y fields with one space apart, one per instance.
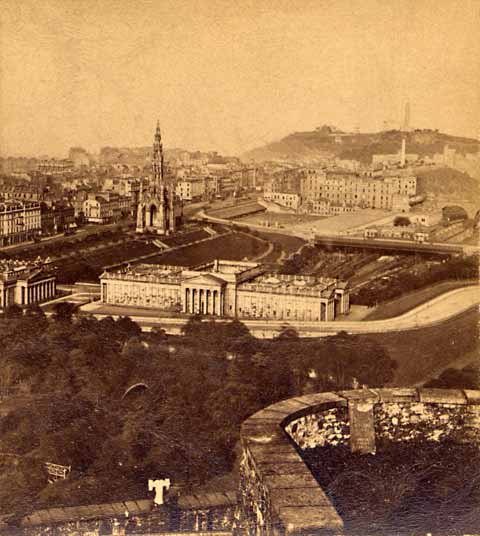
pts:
pixel 239 267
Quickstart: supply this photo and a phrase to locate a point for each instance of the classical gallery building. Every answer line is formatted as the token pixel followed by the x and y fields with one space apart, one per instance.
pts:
pixel 25 283
pixel 226 289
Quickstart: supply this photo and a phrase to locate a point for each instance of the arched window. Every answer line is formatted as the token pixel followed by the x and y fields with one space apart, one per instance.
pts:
pixel 152 213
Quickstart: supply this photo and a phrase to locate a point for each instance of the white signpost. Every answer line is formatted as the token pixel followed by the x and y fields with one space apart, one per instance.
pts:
pixel 159 486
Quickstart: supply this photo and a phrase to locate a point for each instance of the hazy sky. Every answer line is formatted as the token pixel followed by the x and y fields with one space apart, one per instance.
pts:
pixel 229 75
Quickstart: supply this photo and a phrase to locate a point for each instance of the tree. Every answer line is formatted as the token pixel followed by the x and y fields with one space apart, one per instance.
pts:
pixel 158 334
pixel 35 311
pixel 401 221
pixel 193 326
pixel 466 378
pixel 63 311
pixel 287 333
pixel 13 311
pixel 127 327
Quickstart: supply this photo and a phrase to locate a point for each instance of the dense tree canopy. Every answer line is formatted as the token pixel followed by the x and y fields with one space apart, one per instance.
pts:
pixel 71 374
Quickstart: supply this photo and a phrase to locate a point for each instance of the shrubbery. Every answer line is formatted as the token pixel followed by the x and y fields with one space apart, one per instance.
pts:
pixel 201 386
pixel 456 268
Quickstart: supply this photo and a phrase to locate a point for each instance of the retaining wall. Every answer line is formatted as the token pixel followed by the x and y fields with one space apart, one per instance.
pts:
pixel 278 495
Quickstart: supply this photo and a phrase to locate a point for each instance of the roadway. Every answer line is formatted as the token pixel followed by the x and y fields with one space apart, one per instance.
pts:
pixel 81 232
pixel 431 313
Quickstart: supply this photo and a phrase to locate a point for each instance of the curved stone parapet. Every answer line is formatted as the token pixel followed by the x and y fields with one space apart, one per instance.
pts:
pixel 278 494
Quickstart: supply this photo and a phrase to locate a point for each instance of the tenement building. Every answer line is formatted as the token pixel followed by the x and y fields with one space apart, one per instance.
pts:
pixel 107 207
pixel 226 289
pixel 350 190
pixel 20 221
pixel 328 193
pixel 25 283
pixel 159 208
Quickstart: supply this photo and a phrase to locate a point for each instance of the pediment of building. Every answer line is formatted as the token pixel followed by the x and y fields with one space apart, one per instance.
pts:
pixel 35 276
pixel 204 280
pixel 328 294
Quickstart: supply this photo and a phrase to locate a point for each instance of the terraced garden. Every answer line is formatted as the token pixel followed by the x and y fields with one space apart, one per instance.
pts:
pixel 235 246
pixel 86 266
pixel 185 238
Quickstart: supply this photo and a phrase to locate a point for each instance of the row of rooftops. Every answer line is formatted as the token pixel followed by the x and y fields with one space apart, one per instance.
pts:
pixel 11 269
pixel 11 205
pixel 147 272
pixel 21 188
pixel 363 181
pixel 294 284
pixel 107 197
pixel 259 280
pixel 13 264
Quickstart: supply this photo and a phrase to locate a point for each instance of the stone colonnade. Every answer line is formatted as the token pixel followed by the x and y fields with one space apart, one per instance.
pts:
pixel 205 301
pixel 26 293
pixel 38 292
pixel 327 310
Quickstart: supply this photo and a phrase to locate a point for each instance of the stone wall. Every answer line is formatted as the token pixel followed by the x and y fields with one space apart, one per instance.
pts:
pixel 330 427
pixel 278 494
pixel 189 513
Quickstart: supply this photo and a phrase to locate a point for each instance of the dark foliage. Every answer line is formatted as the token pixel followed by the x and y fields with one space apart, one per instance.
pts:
pixel 456 268
pixel 410 487
pixel 466 378
pixel 74 374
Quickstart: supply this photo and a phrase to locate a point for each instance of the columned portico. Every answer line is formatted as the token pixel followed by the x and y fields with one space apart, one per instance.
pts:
pixel 203 301
pixel 203 295
pixel 327 309
pixel 24 285
pixel 35 292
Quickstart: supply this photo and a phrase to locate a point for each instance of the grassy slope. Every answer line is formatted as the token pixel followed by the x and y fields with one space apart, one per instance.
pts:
pixel 290 244
pixel 405 303
pixel 421 353
pixel 447 182
pixel 234 247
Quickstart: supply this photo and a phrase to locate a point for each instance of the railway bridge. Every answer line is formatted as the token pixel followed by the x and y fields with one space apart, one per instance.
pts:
pixel 393 246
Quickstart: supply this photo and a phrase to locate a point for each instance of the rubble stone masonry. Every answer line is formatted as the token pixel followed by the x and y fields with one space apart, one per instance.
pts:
pixel 278 495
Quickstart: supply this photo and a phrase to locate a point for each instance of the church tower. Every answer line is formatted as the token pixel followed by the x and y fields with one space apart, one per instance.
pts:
pixel 159 210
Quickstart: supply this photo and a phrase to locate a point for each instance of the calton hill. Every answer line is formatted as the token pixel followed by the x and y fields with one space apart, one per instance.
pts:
pixel 332 142
pixel 119 406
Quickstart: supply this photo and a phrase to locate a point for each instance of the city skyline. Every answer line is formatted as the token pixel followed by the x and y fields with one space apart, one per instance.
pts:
pixel 228 78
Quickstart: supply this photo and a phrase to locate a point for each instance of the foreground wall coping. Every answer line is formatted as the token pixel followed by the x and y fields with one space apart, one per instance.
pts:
pixel 297 500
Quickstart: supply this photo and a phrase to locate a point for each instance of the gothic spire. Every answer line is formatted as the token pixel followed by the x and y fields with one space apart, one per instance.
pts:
pixel 157 161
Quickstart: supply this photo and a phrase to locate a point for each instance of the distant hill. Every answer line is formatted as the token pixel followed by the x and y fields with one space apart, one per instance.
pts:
pixel 327 142
pixel 447 182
